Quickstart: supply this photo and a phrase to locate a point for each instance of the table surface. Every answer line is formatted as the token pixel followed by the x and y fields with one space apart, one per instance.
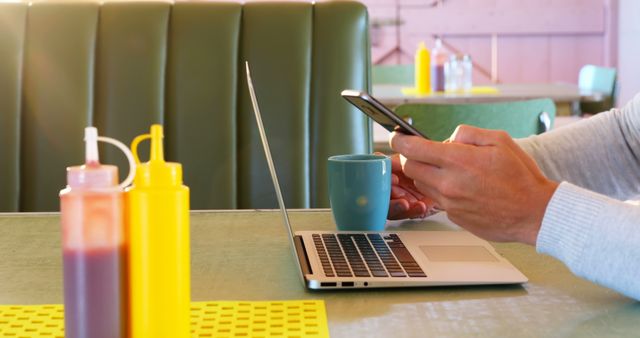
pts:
pixel 392 95
pixel 244 255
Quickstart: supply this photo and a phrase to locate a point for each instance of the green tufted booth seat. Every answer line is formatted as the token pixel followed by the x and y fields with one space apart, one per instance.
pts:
pixel 122 66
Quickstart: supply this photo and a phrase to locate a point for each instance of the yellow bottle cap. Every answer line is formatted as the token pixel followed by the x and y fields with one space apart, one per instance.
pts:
pixel 156 172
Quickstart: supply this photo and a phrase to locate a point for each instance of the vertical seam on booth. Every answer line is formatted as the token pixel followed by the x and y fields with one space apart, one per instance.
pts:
pixel 20 117
pixel 236 117
pixel 165 64
pixel 367 48
pixel 234 152
pixel 94 66
pixel 312 116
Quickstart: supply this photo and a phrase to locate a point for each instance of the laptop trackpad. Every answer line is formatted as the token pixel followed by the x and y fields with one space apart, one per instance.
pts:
pixel 457 253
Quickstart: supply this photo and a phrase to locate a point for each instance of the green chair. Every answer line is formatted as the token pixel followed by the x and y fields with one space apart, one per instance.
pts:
pixel 600 80
pixel 392 74
pixel 122 66
pixel 518 118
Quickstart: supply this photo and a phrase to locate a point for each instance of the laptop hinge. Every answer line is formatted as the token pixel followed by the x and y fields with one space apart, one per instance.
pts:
pixel 301 252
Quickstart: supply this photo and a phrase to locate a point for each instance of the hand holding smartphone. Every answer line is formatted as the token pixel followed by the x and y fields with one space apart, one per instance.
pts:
pixel 379 113
pixel 406 200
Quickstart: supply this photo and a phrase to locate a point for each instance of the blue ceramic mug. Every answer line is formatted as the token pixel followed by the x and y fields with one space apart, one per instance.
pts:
pixel 359 191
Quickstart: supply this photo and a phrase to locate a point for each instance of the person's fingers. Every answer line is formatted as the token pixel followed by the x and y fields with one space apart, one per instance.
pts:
pixel 395 180
pixel 417 210
pixel 410 189
pixel 398 192
pixel 403 160
pixel 484 137
pixel 407 182
pixel 425 173
pixel 435 197
pixel 418 148
pixel 398 209
pixel 478 136
pixel 401 208
pixel 395 163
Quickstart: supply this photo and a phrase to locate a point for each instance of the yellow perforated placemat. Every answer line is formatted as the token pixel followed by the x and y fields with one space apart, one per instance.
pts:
pixel 290 319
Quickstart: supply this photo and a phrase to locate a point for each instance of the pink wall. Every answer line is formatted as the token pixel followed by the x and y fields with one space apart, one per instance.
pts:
pixel 536 40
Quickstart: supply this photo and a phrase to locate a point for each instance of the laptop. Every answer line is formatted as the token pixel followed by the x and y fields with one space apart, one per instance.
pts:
pixel 339 259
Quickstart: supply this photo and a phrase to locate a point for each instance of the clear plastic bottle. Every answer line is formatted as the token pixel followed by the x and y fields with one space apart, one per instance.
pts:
pixel 467 80
pixel 439 58
pixel 459 73
pixel 451 69
pixel 159 258
pixel 94 246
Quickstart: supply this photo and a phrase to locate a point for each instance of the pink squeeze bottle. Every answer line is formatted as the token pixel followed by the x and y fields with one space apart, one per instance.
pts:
pixel 94 246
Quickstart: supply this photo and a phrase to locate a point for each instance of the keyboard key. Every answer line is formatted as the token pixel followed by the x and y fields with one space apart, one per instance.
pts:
pixel 417 274
pixel 378 273
pixel 402 254
pixel 410 265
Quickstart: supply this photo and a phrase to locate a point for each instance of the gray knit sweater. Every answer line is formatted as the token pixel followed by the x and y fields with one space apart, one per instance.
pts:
pixel 587 225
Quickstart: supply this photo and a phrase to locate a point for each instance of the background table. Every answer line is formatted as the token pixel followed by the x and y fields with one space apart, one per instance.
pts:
pixel 243 255
pixel 565 95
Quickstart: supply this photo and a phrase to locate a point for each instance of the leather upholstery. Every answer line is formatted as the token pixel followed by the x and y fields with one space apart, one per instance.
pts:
pixel 122 66
pixel 12 28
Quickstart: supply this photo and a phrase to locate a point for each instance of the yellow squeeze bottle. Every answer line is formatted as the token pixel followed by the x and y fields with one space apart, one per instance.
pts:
pixel 423 70
pixel 159 267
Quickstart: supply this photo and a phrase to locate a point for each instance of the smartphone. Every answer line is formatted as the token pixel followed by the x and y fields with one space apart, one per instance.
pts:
pixel 379 113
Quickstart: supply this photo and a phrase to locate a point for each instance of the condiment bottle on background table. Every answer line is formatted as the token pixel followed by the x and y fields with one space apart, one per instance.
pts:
pixel 94 245
pixel 439 57
pixel 159 258
pixel 422 70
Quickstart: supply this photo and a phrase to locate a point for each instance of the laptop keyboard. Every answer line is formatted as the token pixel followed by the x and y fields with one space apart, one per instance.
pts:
pixel 365 255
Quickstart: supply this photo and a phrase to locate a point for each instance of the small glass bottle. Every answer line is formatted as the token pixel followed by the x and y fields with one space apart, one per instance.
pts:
pixel 94 246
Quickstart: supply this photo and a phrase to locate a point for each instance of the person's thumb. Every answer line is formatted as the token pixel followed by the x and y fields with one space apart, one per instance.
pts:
pixel 478 136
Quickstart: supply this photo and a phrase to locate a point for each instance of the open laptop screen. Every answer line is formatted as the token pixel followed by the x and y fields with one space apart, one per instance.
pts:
pixel 272 168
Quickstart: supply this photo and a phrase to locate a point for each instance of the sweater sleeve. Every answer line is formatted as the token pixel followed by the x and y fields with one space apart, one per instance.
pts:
pixel 586 225
pixel 601 153
pixel 596 236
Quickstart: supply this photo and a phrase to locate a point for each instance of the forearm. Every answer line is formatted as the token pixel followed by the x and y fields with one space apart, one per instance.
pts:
pixel 601 153
pixel 597 237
